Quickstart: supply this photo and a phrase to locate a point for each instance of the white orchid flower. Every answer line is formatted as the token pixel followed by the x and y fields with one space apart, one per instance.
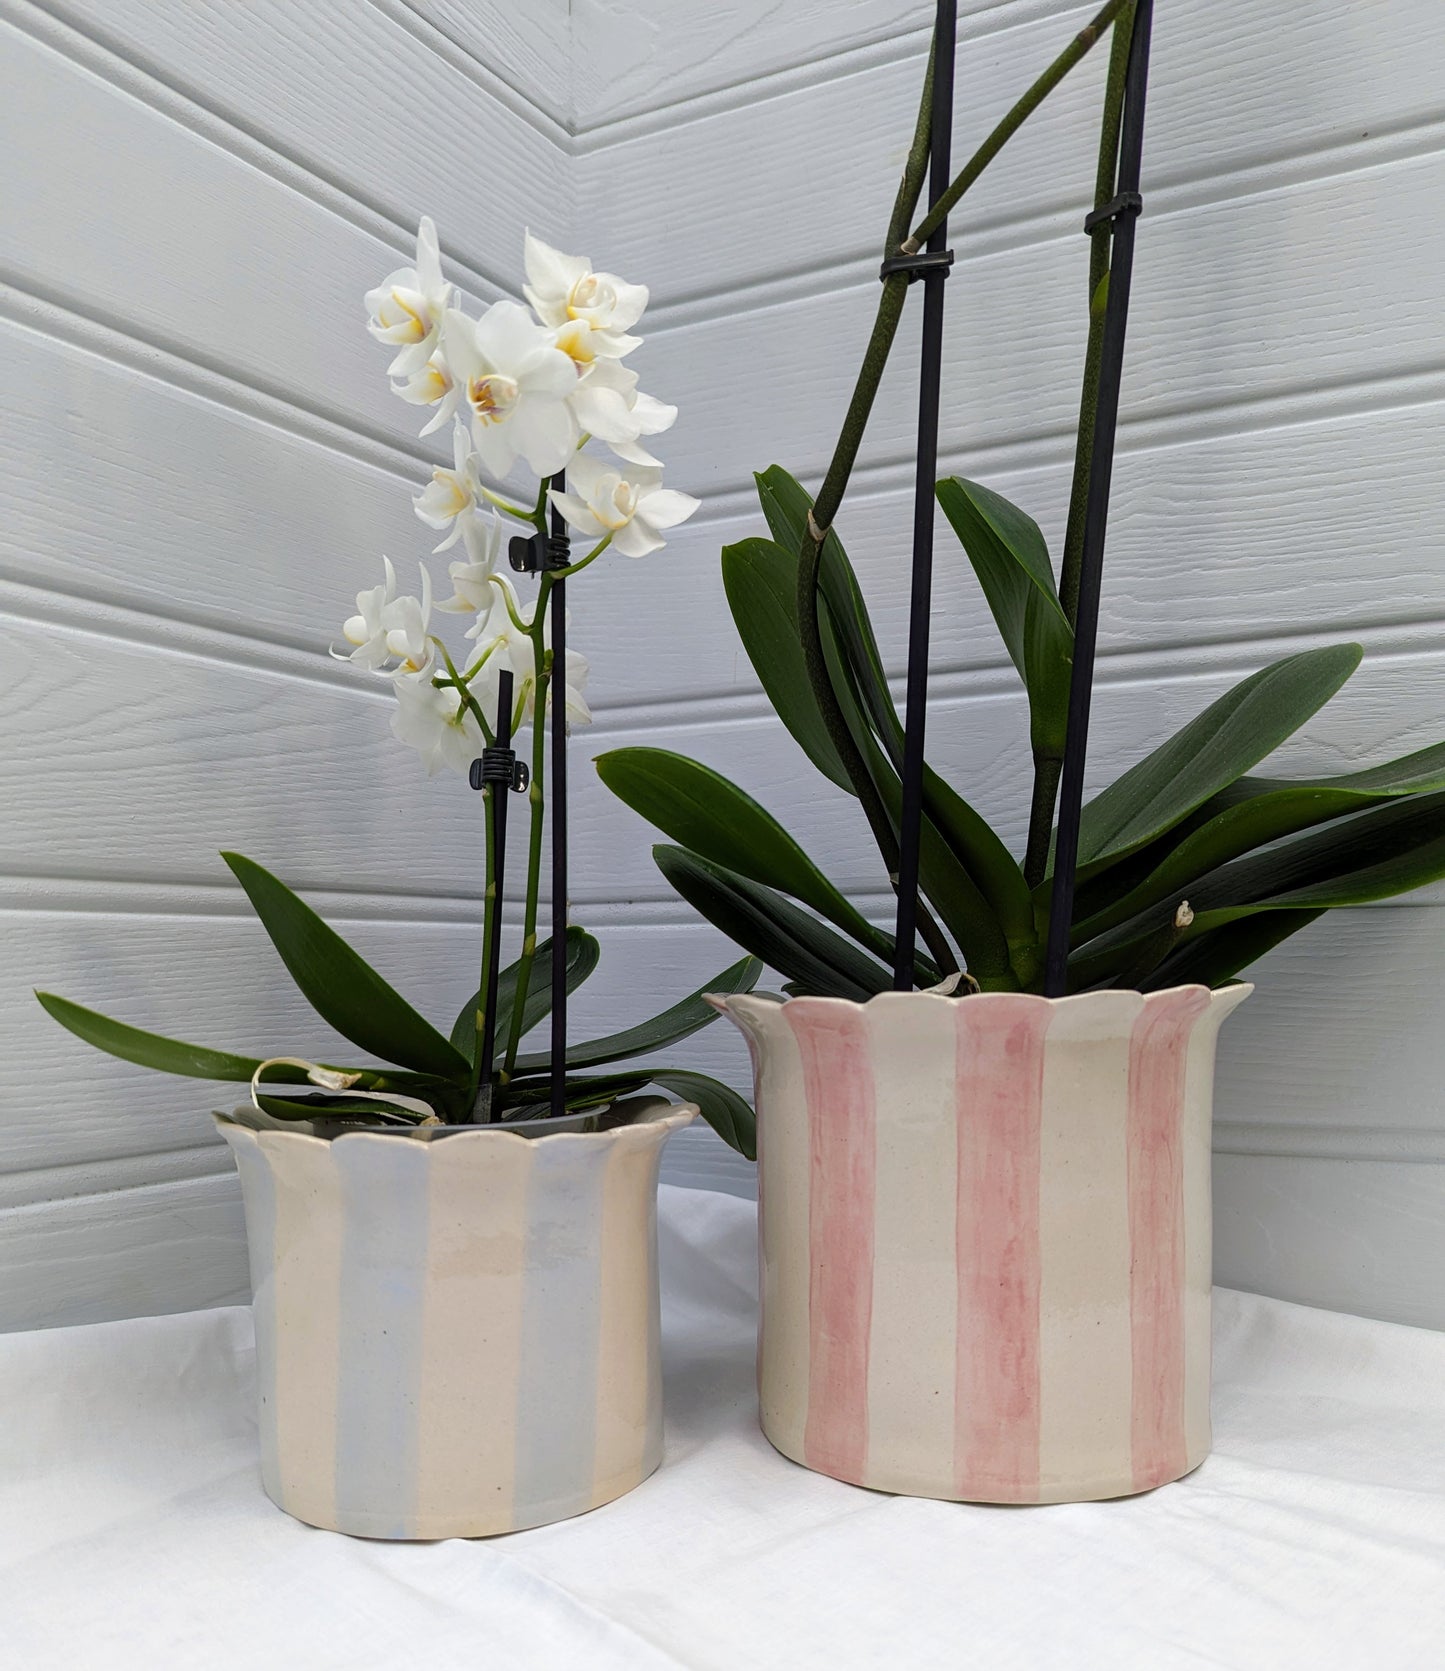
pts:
pixel 630 505
pixel 433 385
pixel 651 417
pixel 515 382
pixel 564 290
pixel 451 496
pixel 508 648
pixel 610 406
pixel 578 713
pixel 436 723
pixel 365 629
pixel 472 589
pixel 408 630
pixel 497 632
pixel 408 306
pixel 389 628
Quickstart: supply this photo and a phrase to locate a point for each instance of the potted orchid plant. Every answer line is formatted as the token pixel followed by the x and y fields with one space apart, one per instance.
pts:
pixel 453 1245
pixel 985 1191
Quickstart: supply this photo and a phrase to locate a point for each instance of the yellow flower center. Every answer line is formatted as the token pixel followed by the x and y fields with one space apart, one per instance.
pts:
pixel 492 397
pixel 433 382
pixel 458 494
pixel 409 320
pixel 615 506
pixel 572 340
pixel 589 297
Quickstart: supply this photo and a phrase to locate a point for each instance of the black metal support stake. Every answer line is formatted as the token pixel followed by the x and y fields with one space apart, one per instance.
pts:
pixel 557 798
pixel 1123 210
pixel 496 773
pixel 933 268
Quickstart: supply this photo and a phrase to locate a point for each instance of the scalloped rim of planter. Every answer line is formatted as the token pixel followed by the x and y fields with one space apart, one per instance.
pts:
pixel 656 1118
pixel 755 1004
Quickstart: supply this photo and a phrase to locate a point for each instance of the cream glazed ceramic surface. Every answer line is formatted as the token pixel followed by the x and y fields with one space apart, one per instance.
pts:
pixel 458 1337
pixel 986 1239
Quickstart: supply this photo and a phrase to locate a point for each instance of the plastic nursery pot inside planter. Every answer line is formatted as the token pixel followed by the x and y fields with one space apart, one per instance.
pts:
pixel 456 1332
pixel 985 1231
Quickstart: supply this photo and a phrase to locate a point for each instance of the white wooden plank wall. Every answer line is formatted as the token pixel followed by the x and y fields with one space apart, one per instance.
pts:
pixel 203 463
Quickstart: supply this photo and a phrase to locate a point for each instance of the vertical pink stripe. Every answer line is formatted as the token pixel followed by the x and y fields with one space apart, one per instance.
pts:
pixel 1000 1071
pixel 1158 1057
pixel 838 1083
pixel 755 1054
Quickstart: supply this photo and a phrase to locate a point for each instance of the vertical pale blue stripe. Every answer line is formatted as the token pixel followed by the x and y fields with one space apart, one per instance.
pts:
pixel 561 1304
pixel 258 1191
pixel 385 1239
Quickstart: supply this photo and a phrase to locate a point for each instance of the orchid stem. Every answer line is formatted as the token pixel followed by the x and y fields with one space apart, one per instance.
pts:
pixel 1048 769
pixel 463 685
pixel 582 562
pixel 512 614
pixel 489 911
pixel 1087 37
pixel 506 505
pixel 870 375
pixel 541 663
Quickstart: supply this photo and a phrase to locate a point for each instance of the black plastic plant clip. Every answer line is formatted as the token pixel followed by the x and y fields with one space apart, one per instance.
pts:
pixel 921 264
pixel 1126 203
pixel 539 553
pixel 498 765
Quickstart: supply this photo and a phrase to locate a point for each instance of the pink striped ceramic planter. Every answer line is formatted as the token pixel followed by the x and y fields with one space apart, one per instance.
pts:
pixel 455 1337
pixel 985 1230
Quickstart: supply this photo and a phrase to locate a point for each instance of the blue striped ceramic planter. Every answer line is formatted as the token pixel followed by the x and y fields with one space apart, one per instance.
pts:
pixel 458 1337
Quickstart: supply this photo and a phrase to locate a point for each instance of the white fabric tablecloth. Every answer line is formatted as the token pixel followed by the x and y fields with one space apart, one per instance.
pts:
pixel 133 1530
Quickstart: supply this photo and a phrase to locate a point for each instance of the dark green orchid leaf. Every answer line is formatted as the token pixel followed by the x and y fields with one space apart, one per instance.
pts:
pixel 945 881
pixel 1218 956
pixel 1238 829
pixel 699 809
pixel 761 581
pixel 1390 848
pixel 729 1115
pixel 527 1099
pixel 786 504
pixel 990 865
pixel 150 1050
pixel 685 1018
pixel 773 928
pixel 339 984
pixel 1012 564
pixel 979 883
pixel 943 877
pixel 1410 774
pixel 582 955
pixel 1213 751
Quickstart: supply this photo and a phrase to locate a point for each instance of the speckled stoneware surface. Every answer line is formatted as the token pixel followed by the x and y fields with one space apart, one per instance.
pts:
pixel 985 1228
pixel 458 1337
